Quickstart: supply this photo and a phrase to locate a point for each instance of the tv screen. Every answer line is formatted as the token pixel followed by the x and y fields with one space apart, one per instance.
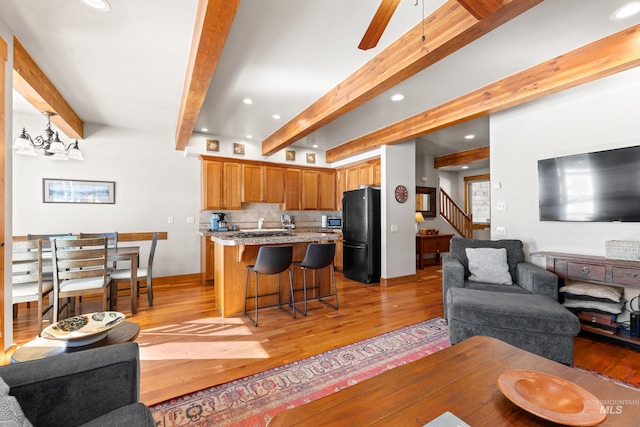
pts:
pixel 603 186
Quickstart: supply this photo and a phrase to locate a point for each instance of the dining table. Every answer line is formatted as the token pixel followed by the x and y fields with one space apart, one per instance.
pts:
pixel 127 253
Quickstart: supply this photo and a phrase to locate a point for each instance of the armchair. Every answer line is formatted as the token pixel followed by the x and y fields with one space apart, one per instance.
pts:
pixel 95 387
pixel 527 278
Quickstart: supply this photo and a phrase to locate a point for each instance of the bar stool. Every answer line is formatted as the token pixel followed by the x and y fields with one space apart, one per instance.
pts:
pixel 270 260
pixel 319 256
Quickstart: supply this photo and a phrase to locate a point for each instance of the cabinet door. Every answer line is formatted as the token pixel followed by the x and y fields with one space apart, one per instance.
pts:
pixel 231 188
pixel 293 189
pixel 353 178
pixel 309 190
pixel 252 183
pixel 326 190
pixel 273 184
pixel 365 175
pixel 211 185
pixel 341 187
pixel 337 260
pixel 377 173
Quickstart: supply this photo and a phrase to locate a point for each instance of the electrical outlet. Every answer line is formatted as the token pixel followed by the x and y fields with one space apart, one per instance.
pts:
pixel 170 220
pixel 394 228
pixel 501 206
pixel 190 220
pixel 501 231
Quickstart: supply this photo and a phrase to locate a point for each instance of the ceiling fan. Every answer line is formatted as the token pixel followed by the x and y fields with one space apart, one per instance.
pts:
pixel 480 9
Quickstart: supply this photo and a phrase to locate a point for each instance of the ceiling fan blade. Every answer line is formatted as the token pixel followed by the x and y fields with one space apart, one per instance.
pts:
pixel 378 24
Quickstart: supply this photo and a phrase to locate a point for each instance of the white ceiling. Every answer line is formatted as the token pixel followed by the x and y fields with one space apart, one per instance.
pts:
pixel 126 67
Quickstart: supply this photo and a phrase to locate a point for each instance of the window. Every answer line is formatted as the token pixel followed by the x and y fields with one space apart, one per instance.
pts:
pixel 478 198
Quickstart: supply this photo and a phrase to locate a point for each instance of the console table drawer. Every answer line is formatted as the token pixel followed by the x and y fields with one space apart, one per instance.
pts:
pixel 626 276
pixel 582 271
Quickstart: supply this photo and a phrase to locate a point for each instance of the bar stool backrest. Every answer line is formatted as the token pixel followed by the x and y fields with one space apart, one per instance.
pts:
pixel 319 255
pixel 273 259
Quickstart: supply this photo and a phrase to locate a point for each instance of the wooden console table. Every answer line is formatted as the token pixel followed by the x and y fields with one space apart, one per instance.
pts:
pixel 431 243
pixel 599 270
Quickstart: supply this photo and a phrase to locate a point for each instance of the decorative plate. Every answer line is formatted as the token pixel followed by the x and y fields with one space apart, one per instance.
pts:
pixel 402 194
pixel 551 398
pixel 84 329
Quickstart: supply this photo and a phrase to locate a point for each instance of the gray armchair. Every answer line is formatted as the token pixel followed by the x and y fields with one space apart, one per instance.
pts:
pixel 527 278
pixel 95 387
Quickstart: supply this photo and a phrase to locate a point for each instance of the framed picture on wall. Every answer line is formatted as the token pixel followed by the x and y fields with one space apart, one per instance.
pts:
pixel 77 191
pixel 213 145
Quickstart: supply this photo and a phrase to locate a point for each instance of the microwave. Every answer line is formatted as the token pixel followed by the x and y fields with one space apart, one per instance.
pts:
pixel 334 222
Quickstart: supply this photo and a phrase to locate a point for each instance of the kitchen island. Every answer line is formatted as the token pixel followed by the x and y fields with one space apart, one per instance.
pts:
pixel 235 250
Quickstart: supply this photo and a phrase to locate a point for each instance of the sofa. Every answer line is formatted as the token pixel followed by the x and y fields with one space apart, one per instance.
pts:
pixel 94 387
pixel 489 289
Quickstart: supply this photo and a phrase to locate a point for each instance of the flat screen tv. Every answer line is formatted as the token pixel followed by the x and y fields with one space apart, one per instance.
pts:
pixel 602 186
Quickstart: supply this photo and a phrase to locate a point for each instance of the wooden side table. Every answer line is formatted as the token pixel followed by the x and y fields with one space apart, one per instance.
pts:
pixel 431 243
pixel 40 347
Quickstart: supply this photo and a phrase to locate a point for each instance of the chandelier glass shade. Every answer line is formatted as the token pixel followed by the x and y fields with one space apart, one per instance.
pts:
pixel 49 146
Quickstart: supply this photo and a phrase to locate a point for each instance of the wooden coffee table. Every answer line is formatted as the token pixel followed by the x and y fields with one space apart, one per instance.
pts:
pixel 461 379
pixel 40 348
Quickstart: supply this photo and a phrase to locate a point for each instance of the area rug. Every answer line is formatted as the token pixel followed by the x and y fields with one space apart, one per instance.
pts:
pixel 252 401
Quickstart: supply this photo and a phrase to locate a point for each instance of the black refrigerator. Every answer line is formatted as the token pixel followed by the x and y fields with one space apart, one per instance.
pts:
pixel 361 231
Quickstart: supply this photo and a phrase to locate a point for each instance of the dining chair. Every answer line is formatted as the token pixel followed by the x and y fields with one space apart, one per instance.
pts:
pixel 270 260
pixel 317 257
pixel 112 242
pixel 27 282
pixel 79 268
pixel 46 238
pixel 124 275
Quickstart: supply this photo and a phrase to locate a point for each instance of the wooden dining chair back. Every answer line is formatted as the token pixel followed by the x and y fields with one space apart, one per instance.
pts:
pixel 124 275
pixel 80 268
pixel 28 284
pixel 112 242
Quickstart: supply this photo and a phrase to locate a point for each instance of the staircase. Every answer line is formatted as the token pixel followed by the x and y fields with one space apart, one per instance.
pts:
pixel 458 218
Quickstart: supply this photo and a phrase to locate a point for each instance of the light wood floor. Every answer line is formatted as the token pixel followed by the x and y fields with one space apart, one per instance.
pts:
pixel 185 346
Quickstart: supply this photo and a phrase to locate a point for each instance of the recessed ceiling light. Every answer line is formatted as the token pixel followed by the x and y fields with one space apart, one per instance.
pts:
pixel 97 5
pixel 315 146
pixel 470 136
pixel 247 101
pixel 204 130
pixel 626 11
pixel 276 116
pixel 465 167
pixel 397 97
pixel 250 136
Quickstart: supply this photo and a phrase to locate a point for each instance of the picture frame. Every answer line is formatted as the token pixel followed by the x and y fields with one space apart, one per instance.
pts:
pixel 290 155
pixel 213 145
pixel 78 191
pixel 311 157
pixel 238 148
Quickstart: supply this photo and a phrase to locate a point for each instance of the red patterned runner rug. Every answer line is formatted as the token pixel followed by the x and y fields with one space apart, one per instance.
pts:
pixel 254 400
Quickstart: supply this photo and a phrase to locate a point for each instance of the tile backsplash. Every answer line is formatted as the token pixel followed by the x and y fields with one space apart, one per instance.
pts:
pixel 247 218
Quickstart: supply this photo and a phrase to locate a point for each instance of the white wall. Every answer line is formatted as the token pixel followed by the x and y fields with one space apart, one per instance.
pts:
pixel 597 116
pixel 153 182
pixel 398 248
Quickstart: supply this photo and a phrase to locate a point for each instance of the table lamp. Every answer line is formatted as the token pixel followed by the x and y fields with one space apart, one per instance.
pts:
pixel 419 219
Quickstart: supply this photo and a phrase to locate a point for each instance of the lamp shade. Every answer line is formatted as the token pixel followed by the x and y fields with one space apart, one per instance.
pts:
pixel 419 217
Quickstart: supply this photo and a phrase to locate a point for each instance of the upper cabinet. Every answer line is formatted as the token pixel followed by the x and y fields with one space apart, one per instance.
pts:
pixel 252 183
pixel 353 176
pixel 220 185
pixel 274 184
pixel 232 174
pixel 293 189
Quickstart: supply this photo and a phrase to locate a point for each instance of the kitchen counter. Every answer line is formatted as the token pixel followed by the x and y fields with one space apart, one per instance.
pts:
pixel 235 250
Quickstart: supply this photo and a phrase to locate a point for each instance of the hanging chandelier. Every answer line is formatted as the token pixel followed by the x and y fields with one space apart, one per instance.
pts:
pixel 50 146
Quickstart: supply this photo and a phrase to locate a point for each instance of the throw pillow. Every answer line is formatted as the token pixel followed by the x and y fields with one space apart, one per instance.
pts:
pixel 10 412
pixel 489 265
pixel 612 293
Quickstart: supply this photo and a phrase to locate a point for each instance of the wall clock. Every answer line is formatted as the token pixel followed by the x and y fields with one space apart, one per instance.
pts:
pixel 402 194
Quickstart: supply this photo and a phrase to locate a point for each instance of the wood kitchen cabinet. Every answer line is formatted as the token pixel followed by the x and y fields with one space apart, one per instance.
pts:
pixel 337 259
pixel 310 190
pixel 326 190
pixel 220 185
pixel 252 183
pixel 341 187
pixel 273 184
pixel 232 174
pixel 355 175
pixel 207 263
pixel 293 189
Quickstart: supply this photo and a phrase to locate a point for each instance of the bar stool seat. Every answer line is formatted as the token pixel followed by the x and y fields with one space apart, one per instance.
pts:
pixel 270 260
pixel 317 257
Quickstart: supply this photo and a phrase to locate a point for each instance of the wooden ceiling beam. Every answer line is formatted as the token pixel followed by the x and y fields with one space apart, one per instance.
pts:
pixel 481 9
pixel 31 82
pixel 462 157
pixel 447 30
pixel 211 29
pixel 615 53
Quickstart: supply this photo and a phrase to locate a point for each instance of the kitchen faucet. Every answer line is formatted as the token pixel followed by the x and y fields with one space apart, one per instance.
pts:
pixel 260 221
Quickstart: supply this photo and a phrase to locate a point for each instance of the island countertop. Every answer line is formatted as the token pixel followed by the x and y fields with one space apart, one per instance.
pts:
pixel 239 238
